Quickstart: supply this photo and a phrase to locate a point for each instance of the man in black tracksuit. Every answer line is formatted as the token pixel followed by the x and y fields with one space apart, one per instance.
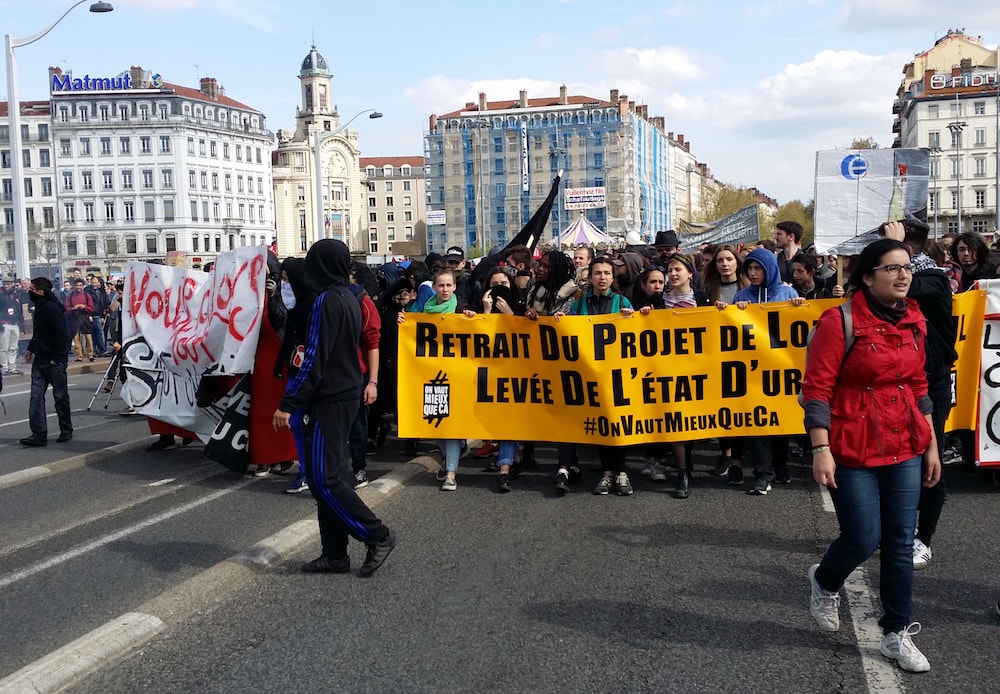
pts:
pixel 47 353
pixel 323 399
pixel 931 288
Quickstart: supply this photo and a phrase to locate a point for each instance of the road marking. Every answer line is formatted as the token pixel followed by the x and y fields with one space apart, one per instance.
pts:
pixel 881 674
pixel 158 483
pixel 27 392
pixel 48 416
pixel 80 550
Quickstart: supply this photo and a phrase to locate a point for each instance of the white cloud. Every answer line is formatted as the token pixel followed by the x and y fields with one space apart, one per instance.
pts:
pixel 920 16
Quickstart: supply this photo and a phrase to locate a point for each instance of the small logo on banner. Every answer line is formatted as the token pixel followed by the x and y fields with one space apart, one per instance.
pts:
pixel 854 167
pixel 437 399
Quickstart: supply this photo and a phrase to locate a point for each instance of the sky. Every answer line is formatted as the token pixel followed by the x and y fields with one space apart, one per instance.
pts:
pixel 756 87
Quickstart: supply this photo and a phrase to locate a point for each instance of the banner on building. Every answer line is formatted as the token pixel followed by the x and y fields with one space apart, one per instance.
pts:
pixel 669 376
pixel 857 190
pixel 435 217
pixel 179 325
pixel 741 226
pixel 585 198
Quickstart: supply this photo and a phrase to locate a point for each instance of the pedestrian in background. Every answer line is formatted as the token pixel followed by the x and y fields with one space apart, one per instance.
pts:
pixel 868 415
pixel 47 355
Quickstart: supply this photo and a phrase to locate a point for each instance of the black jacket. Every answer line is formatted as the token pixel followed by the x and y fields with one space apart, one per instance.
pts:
pixel 331 371
pixel 50 339
pixel 932 290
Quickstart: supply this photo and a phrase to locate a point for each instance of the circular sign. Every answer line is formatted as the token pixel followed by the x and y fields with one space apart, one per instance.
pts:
pixel 854 167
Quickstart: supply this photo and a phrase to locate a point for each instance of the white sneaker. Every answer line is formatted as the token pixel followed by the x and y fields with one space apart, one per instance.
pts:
pixel 449 484
pixel 824 605
pixel 658 474
pixel 899 646
pixel 921 555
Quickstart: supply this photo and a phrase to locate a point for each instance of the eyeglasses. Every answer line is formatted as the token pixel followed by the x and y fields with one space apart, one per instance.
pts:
pixel 895 268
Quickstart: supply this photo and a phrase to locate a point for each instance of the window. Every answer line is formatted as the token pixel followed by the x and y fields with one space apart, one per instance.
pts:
pixel 933 200
pixel 192 178
pixel 195 244
pixel 91 244
pixel 935 170
pixel 131 244
pixel 388 201
pixel 107 180
pixel 105 114
pixel 407 201
pixel 980 226
pixel 204 210
pixel 956 139
pixel 980 198
pixel 63 114
pixel 129 209
pixel 239 184
pixel 171 241
pixel 954 199
pixel 28 188
pixel 147 179
pixel 388 186
pixel 163 111
pixel 194 210
pixel 149 210
pixel 408 216
pixel 934 139
pixel 956 167
pixel 980 108
pixel 105 146
pixel 65 149
pixel 390 233
pixel 213 149
pixel 44 158
pixel 204 180
pixel 390 216
pixel 47 187
pixel 249 152
pixel 5 159
pixel 406 185
pixel 407 233
pixel 215 182
pixel 71 247
pixel 123 113
pixel 225 150
pixel 144 112
pixel 84 114
pixel 302 221
pixel 127 179
pixel 215 216
pixel 110 245
pixel 229 183
pixel 151 243
pixel 932 111
pixel 168 210
pixel 88 212
pixel 239 153
pixel 980 137
pixel 167 176
pixel 250 212
pixel 242 211
pixel 372 201
pixel 145 146
pixel 67 180
pixel 87 178
pixel 191 145
pixel 980 166
pixel 109 211
pixel 250 185
pixel 164 144
pixel 26 158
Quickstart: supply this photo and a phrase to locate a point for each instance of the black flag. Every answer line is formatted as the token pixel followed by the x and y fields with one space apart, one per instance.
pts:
pixel 529 235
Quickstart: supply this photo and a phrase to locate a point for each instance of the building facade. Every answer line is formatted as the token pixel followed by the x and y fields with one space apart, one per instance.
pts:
pixel 295 172
pixel 394 205
pixel 37 188
pixel 949 102
pixel 491 164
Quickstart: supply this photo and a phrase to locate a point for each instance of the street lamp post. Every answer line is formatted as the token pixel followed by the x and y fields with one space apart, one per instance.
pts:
pixel 935 163
pixel 22 267
pixel 318 137
pixel 956 128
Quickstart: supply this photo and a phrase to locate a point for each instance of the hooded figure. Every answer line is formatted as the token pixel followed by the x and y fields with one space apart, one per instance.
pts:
pixel 772 290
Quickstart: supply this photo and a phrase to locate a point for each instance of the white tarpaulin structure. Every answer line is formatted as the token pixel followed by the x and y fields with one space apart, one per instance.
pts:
pixel 583 232
pixel 858 190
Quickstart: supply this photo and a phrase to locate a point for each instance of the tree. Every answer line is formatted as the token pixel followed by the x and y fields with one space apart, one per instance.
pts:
pixel 723 201
pixel 864 143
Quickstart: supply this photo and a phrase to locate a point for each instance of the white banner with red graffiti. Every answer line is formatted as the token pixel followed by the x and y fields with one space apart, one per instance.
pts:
pixel 179 325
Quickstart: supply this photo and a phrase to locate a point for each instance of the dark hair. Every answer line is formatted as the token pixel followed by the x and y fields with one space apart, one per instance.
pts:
pixel 43 284
pixel 914 233
pixel 806 260
pixel 980 253
pixel 520 255
pixel 496 270
pixel 561 270
pixel 793 228
pixel 864 263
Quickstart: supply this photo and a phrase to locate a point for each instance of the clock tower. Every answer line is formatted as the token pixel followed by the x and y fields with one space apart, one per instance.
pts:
pixel 317 110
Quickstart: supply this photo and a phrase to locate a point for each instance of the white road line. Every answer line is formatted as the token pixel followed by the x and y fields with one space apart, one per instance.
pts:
pixel 38 567
pixel 28 392
pixel 159 483
pixel 881 675
pixel 48 416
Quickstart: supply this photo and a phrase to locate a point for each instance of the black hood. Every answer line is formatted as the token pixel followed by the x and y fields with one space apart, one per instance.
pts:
pixel 328 264
pixel 273 266
pixel 295 268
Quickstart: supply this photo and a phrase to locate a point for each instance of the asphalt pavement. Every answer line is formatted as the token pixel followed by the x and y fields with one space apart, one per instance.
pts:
pixel 485 592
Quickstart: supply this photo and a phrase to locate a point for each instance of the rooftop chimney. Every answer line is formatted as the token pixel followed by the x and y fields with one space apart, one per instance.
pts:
pixel 563 100
pixel 614 96
pixel 210 87
pixel 482 101
pixel 524 98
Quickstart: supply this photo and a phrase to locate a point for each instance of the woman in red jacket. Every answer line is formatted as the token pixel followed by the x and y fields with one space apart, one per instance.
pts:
pixel 869 421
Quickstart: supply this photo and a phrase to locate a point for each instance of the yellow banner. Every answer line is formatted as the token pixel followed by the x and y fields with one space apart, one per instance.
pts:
pixel 968 309
pixel 673 375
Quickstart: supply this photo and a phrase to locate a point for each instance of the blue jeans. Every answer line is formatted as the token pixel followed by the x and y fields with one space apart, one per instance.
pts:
pixel 43 374
pixel 452 449
pixel 100 347
pixel 508 449
pixel 877 509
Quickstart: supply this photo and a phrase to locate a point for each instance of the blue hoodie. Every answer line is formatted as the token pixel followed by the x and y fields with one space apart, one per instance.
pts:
pixel 772 290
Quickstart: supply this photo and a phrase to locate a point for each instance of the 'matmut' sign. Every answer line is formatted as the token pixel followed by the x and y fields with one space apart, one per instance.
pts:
pixel 68 83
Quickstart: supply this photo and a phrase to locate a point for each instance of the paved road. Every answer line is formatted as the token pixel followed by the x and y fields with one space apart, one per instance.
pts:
pixel 527 592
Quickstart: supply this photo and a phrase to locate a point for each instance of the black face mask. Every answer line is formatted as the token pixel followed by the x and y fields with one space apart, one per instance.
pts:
pixel 36 297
